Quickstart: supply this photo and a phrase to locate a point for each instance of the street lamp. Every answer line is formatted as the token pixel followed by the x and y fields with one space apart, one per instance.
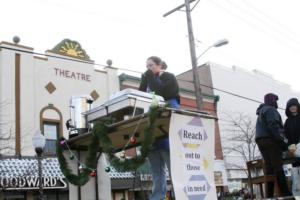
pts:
pixel 217 44
pixel 39 142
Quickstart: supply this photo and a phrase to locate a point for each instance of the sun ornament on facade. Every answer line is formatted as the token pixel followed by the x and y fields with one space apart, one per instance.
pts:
pixel 71 48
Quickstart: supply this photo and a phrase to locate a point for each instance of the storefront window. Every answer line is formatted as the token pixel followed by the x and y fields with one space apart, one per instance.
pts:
pixel 119 195
pixel 52 195
pixel 13 195
pixel 51 134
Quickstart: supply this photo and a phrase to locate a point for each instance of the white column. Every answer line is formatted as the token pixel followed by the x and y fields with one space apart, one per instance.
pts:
pixel 88 190
pixel 73 189
pixel 113 84
pixel 104 183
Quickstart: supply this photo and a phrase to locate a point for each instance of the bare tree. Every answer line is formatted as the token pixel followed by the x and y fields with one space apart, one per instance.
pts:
pixel 240 138
pixel 6 130
pixel 5 140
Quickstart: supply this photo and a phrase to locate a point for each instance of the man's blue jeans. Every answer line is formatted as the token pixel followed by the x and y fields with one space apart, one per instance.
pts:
pixel 159 159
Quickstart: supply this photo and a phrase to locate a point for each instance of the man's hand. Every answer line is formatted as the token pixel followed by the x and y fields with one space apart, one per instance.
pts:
pixel 292 148
pixel 148 73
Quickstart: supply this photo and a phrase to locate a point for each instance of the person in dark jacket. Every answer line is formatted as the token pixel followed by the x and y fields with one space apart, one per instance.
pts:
pixel 292 123
pixel 292 133
pixel 162 83
pixel 269 128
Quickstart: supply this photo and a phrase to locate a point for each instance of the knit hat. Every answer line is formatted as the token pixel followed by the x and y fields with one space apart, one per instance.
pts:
pixel 271 99
pixel 291 102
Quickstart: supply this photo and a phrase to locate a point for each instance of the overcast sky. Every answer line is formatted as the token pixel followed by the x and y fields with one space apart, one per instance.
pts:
pixel 263 34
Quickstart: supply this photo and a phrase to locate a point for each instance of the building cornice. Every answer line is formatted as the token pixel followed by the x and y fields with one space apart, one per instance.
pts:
pixel 40 58
pixel 100 71
pixel 16 45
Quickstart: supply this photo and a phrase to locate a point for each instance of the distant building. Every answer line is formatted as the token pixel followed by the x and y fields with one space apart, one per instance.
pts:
pixel 239 92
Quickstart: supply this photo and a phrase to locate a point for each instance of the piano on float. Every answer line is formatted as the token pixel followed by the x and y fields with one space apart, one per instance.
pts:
pixel 128 110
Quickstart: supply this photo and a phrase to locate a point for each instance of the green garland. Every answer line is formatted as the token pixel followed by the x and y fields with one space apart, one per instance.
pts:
pixel 125 164
pixel 100 137
pixel 91 162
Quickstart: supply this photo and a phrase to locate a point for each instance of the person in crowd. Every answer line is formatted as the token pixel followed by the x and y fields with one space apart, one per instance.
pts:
pixel 162 83
pixel 292 133
pixel 269 130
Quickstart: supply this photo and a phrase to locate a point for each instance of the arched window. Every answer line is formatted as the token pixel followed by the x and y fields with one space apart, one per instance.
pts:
pixel 51 126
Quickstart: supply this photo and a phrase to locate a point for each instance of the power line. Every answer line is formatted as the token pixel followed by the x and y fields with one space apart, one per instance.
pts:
pixel 124 69
pixel 253 25
pixel 227 92
pixel 271 19
pixel 176 9
pixel 195 5
pixel 263 21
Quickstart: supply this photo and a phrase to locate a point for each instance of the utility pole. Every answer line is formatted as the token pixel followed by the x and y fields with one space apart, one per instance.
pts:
pixel 199 98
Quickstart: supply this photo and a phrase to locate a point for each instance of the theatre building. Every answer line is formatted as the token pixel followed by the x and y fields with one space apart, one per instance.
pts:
pixel 35 92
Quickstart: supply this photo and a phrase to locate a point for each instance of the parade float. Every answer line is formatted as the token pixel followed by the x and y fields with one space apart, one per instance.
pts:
pixel 131 119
